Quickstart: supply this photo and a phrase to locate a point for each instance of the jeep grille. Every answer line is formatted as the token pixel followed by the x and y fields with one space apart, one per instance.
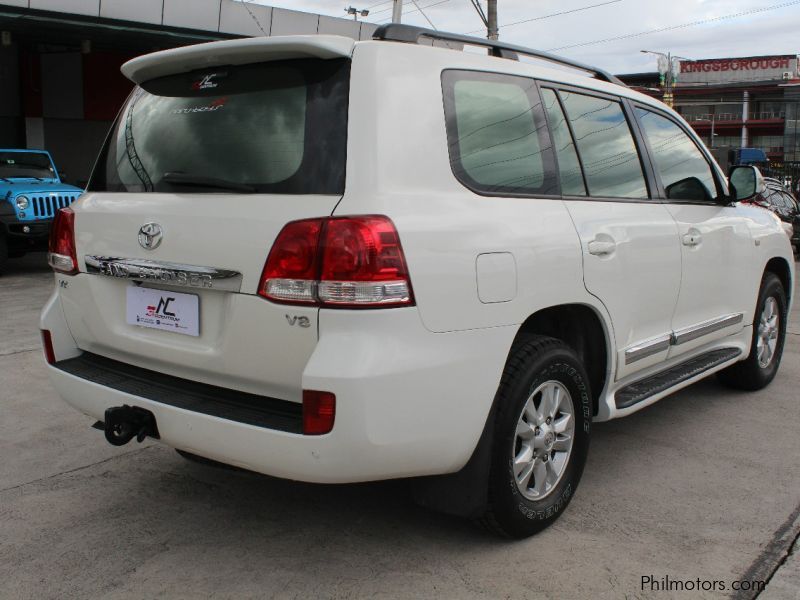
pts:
pixel 46 206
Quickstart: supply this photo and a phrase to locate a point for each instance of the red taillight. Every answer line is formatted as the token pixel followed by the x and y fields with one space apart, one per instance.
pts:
pixel 291 270
pixel 319 412
pixel 47 345
pixel 62 255
pixel 338 261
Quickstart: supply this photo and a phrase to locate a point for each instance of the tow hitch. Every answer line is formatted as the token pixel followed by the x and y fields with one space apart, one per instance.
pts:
pixel 123 423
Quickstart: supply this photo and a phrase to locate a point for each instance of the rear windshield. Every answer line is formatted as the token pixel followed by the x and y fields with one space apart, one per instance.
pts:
pixel 278 127
pixel 26 164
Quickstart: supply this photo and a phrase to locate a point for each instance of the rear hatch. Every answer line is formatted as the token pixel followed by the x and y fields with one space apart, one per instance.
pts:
pixel 199 174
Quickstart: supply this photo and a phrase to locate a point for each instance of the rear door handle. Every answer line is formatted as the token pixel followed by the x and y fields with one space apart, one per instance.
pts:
pixel 692 239
pixel 601 247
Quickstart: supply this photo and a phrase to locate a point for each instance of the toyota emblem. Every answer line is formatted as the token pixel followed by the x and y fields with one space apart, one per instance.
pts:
pixel 150 235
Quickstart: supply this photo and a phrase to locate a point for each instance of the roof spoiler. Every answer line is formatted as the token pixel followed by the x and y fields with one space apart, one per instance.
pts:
pixel 235 52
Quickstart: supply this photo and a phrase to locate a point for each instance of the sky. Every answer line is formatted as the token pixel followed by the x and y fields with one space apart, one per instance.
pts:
pixel 759 33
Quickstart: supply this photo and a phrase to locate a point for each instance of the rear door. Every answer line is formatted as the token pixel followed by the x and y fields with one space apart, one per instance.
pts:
pixel 630 243
pixel 198 176
pixel 718 282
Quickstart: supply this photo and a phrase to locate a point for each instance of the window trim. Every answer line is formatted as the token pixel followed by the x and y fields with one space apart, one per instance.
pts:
pixel 572 137
pixel 448 78
pixel 722 197
pixel 644 157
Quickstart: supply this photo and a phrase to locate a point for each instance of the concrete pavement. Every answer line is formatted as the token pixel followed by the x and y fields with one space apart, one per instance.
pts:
pixel 703 485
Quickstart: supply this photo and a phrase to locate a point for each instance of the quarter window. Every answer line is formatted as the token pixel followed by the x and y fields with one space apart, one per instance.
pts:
pixel 569 168
pixel 497 137
pixel 610 160
pixel 684 171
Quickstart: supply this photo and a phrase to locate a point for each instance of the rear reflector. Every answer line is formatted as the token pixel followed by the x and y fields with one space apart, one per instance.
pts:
pixel 47 345
pixel 319 412
pixel 352 262
pixel 62 256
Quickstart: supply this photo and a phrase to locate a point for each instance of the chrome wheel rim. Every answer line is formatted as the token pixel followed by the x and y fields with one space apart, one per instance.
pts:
pixel 767 335
pixel 543 440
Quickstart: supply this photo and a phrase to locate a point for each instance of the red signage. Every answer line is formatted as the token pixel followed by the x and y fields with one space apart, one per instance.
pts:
pixel 736 64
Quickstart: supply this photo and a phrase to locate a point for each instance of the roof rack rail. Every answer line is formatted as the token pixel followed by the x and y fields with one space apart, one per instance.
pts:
pixel 395 32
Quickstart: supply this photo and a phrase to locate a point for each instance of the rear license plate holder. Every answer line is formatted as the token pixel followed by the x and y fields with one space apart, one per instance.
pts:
pixel 164 310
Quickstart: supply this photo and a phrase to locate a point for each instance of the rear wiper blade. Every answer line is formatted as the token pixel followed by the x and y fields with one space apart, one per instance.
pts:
pixel 179 178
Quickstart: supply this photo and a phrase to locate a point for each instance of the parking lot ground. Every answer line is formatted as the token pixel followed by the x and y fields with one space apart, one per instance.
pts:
pixel 703 485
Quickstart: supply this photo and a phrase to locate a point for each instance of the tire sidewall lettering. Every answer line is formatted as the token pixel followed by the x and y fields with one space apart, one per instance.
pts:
pixel 571 377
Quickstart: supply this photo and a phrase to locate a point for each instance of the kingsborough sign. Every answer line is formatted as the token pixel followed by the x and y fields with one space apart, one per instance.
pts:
pixel 754 68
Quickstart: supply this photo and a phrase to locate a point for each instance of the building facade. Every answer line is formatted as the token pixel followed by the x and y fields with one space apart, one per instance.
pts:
pixel 741 102
pixel 60 85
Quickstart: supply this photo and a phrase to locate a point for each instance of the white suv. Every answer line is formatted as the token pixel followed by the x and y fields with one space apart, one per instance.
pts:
pixel 339 261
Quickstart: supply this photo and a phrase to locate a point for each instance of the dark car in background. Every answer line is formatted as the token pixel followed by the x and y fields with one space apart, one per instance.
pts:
pixel 778 198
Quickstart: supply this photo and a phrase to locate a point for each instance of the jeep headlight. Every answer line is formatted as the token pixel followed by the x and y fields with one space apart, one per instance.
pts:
pixel 22 202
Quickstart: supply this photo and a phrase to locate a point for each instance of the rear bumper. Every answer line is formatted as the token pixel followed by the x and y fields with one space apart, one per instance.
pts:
pixel 408 402
pixel 25 235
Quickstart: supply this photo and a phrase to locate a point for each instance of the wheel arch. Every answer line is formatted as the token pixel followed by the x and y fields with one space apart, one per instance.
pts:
pixel 780 267
pixel 583 328
pixel 580 326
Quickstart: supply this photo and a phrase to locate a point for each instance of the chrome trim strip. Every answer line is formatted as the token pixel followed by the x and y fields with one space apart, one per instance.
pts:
pixel 167 273
pixel 647 348
pixel 687 334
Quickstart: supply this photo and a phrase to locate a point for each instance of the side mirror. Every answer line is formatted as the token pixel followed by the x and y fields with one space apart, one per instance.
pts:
pixel 62 176
pixel 746 182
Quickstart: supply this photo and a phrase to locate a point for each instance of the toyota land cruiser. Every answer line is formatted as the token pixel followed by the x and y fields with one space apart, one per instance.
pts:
pixel 339 261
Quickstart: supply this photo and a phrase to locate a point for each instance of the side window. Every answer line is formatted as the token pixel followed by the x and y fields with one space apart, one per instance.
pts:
pixel 496 134
pixel 569 169
pixel 684 171
pixel 611 162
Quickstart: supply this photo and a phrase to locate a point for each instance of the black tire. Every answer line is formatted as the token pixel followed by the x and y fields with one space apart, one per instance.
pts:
pixel 749 374
pixel 534 362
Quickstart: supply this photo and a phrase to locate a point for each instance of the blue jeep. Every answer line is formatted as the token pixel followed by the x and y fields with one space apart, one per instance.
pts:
pixel 31 192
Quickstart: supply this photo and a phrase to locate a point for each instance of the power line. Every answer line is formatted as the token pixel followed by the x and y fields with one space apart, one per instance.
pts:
pixel 424 15
pixel 681 26
pixel 557 14
pixel 252 16
pixel 477 5
pixel 378 4
pixel 411 12
pixel 375 12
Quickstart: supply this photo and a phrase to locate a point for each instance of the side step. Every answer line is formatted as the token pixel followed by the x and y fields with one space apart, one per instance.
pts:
pixel 655 384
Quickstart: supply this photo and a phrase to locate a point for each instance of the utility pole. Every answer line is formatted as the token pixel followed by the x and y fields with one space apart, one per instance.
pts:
pixel 397 11
pixel 492 30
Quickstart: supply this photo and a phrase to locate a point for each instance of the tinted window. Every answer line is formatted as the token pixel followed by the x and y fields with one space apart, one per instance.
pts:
pixel 569 169
pixel 497 137
pixel 275 127
pixel 26 164
pixel 684 171
pixel 610 160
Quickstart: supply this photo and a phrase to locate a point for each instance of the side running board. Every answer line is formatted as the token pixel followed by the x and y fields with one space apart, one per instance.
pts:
pixel 655 384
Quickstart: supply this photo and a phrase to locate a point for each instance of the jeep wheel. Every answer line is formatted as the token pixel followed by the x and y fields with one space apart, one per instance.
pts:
pixel 541 437
pixel 766 348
